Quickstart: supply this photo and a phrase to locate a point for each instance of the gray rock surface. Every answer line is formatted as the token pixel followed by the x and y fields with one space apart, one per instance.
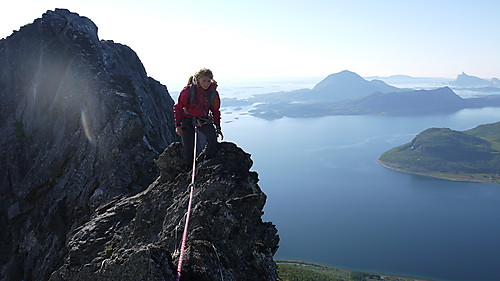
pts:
pixel 80 124
pixel 138 237
pixel 82 196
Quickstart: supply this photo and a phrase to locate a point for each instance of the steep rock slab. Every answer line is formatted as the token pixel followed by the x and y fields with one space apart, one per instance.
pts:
pixel 80 124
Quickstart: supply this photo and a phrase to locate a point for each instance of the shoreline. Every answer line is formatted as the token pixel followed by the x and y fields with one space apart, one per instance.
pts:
pixel 345 270
pixel 381 163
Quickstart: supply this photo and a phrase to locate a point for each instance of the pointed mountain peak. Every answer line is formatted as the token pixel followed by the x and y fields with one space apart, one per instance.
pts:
pixel 465 80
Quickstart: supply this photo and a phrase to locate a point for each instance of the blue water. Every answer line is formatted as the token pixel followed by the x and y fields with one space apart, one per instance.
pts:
pixel 333 204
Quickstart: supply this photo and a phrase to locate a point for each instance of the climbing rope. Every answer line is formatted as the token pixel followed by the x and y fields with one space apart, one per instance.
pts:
pixel 191 189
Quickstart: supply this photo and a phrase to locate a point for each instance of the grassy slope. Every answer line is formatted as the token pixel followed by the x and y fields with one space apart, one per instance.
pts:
pixel 472 155
pixel 289 270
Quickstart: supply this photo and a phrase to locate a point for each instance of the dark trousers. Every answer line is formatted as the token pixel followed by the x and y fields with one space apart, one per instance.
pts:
pixel 207 139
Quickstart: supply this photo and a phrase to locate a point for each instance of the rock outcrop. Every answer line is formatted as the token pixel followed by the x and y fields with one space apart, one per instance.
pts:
pixel 138 237
pixel 81 124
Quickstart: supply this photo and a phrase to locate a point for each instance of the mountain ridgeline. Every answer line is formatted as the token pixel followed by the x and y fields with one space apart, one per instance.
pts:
pixel 90 187
pixel 472 155
pixel 347 93
pixel 347 85
pixel 464 80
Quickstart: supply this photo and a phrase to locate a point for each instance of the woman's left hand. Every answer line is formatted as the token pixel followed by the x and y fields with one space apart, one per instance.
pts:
pixel 219 133
pixel 178 130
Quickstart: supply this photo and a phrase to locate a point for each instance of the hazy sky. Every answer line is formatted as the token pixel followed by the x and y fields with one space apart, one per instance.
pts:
pixel 273 38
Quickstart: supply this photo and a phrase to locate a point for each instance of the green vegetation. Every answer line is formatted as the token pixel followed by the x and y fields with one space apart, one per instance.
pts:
pixel 356 275
pixel 289 270
pixel 19 129
pixel 472 155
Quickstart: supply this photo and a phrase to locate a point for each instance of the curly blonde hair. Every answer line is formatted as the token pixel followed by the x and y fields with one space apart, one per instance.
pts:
pixel 202 72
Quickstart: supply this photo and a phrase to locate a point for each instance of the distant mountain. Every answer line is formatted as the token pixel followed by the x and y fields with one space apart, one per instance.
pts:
pixel 464 80
pixel 410 80
pixel 410 102
pixel 414 102
pixel 495 82
pixel 472 155
pixel 348 85
pixel 347 93
pixel 340 86
pixel 400 76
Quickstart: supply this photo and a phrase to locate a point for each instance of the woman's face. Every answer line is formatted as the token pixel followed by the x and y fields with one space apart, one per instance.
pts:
pixel 204 81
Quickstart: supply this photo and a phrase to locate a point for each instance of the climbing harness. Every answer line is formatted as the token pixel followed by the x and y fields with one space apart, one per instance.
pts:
pixel 191 190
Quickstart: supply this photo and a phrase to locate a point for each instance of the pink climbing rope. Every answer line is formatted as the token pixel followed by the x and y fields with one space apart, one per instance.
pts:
pixel 191 186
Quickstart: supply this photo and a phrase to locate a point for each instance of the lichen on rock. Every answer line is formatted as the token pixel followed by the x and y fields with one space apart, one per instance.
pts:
pixel 142 233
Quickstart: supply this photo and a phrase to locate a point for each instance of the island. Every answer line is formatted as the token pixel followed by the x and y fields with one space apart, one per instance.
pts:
pixel 472 155
pixel 347 93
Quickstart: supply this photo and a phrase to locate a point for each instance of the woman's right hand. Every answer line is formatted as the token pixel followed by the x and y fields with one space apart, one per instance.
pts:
pixel 178 131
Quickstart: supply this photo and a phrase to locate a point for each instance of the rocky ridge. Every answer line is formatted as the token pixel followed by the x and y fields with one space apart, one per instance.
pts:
pixel 138 237
pixel 81 125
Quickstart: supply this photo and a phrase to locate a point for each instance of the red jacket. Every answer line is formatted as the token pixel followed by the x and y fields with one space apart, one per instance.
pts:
pixel 200 107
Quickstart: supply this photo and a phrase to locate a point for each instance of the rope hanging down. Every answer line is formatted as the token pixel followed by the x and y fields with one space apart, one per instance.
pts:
pixel 191 186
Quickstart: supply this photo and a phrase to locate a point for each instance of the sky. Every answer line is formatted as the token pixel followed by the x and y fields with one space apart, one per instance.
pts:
pixel 275 38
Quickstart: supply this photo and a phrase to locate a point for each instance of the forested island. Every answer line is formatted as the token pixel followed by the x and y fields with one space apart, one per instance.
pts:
pixel 471 155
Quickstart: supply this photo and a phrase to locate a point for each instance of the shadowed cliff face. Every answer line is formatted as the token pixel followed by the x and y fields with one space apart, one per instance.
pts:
pixel 81 197
pixel 138 237
pixel 80 124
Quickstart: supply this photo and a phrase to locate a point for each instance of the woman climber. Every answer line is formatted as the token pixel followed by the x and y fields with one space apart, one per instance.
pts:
pixel 198 106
